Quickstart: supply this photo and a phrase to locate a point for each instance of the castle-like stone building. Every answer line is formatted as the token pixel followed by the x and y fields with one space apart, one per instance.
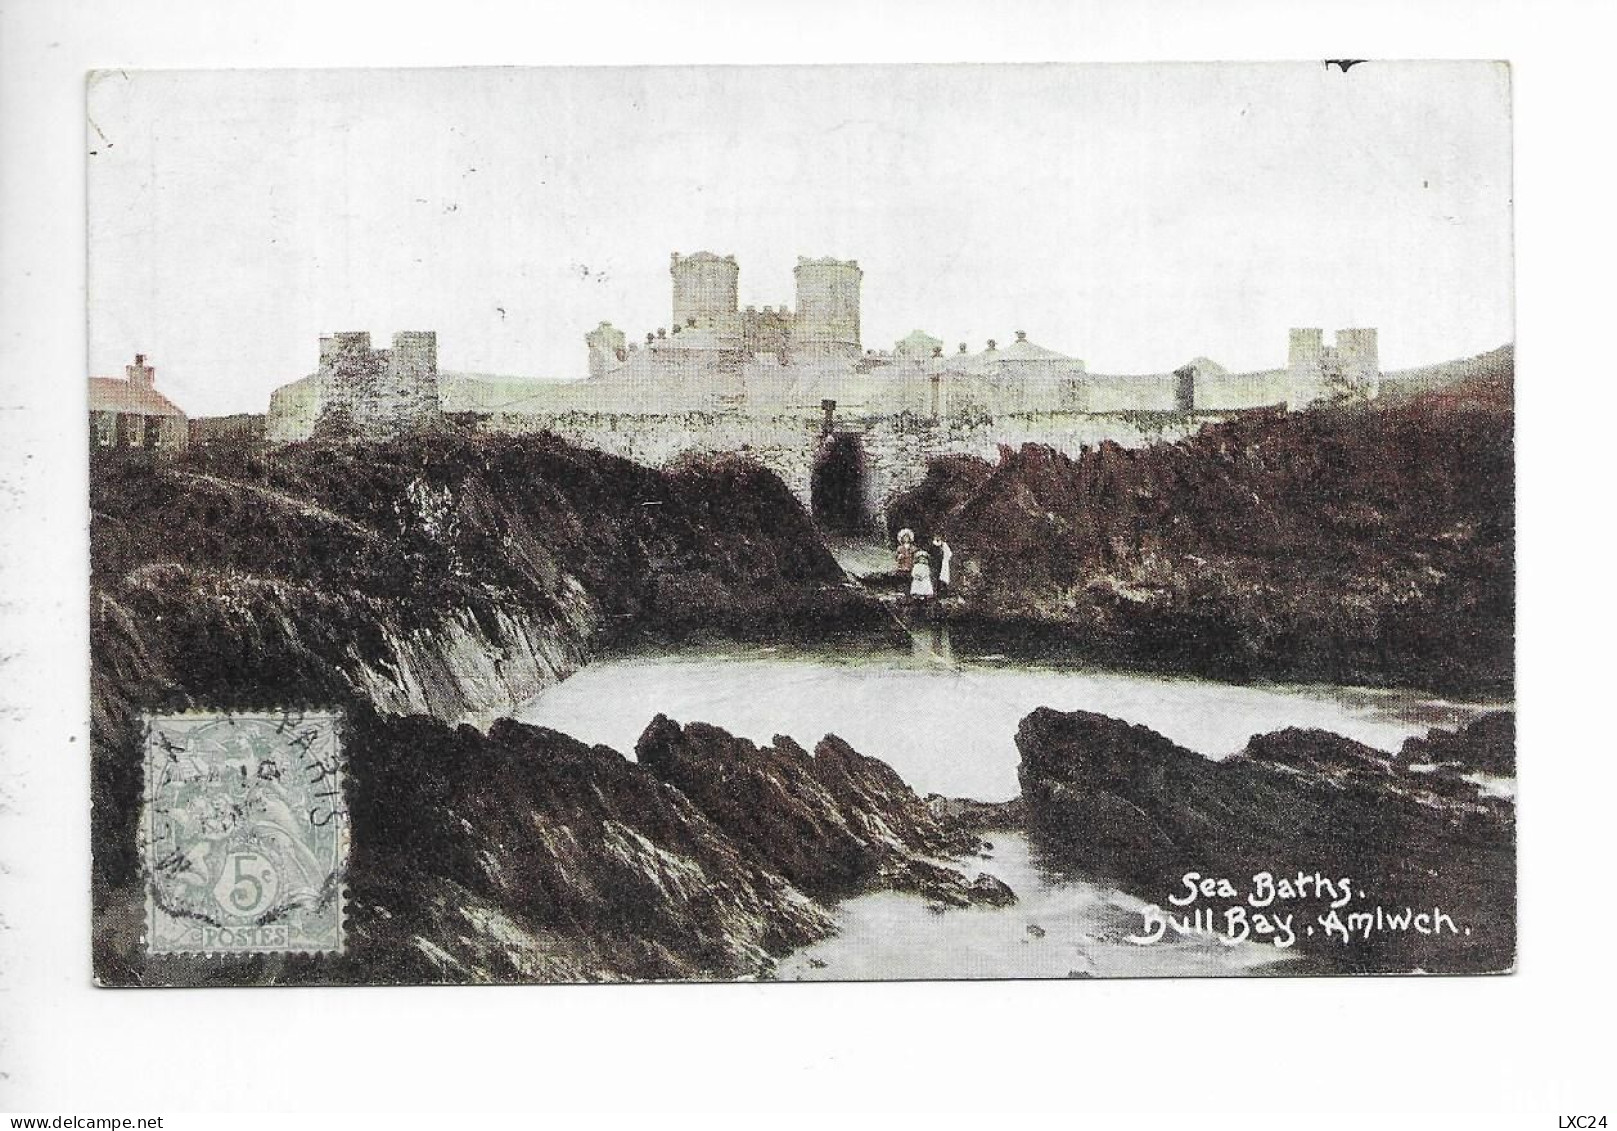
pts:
pixel 796 387
pixel 717 355
pixel 706 291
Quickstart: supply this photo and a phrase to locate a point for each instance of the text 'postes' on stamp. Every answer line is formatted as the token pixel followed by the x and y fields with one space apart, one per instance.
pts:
pixel 244 833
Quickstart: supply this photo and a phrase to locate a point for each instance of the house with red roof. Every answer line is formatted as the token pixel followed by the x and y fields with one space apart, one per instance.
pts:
pixel 127 412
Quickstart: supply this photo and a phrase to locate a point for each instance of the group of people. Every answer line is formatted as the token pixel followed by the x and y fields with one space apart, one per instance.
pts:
pixel 925 584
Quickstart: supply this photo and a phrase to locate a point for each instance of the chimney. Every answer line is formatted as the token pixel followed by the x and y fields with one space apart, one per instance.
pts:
pixel 1021 335
pixel 992 344
pixel 140 374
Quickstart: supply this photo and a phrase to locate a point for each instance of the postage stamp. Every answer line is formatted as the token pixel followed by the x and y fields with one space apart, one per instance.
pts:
pixel 245 834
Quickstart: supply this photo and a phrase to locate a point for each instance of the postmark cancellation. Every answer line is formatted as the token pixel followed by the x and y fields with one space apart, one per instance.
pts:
pixel 244 833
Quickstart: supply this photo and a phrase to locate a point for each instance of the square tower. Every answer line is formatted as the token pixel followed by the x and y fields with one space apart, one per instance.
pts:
pixel 827 322
pixel 706 288
pixel 368 393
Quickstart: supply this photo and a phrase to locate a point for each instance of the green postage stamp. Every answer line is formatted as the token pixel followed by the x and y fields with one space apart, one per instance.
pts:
pixel 245 834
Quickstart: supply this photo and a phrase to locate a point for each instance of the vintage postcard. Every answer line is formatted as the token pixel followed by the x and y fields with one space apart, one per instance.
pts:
pixel 801 523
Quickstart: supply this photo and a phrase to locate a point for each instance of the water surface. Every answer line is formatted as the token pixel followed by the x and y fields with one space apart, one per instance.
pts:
pixel 947 724
pixel 1059 928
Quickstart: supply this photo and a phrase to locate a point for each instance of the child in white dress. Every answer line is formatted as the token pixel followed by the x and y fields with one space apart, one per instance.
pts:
pixel 921 577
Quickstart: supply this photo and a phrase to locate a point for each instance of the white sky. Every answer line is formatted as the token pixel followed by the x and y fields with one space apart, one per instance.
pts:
pixel 1132 215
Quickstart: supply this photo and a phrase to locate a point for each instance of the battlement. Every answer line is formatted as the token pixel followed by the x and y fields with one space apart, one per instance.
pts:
pixel 368 393
pixel 827 261
pixel 706 288
pixel 1360 343
pixel 1349 368
pixel 423 343
pixel 675 259
pixel 350 339
pixel 714 340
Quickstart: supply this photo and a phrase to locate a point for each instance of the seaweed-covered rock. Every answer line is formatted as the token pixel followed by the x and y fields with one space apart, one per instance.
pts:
pixel 452 577
pixel 447 575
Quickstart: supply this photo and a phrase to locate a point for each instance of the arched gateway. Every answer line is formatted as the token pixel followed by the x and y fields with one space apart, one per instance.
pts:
pixel 840 496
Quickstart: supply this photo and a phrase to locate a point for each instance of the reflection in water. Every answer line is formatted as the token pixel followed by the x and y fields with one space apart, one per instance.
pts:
pixel 929 641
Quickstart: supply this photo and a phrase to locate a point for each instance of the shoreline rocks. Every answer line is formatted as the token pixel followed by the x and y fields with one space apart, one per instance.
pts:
pixel 1333 545
pixel 523 855
pixel 834 823
pixel 440 574
pixel 1118 801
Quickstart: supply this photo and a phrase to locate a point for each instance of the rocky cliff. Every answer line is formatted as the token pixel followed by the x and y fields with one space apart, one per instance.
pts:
pixel 1338 544
pixel 524 855
pixel 1106 798
pixel 445 576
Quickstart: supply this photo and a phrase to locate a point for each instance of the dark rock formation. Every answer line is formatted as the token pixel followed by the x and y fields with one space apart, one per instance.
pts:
pixel 524 855
pixel 1104 797
pixel 443 575
pixel 1336 544
pixel 833 823
pixel 1487 745
pixel 977 816
pixel 992 890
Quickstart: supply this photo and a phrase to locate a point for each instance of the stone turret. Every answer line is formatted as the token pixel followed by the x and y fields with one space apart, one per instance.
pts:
pixel 827 322
pixel 1358 356
pixel 706 288
pixel 1306 347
